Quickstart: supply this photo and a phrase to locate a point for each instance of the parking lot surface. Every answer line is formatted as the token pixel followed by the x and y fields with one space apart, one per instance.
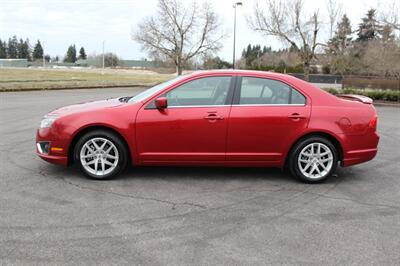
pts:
pixel 179 216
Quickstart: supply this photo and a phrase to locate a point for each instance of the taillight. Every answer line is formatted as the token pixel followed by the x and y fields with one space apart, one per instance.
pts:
pixel 373 122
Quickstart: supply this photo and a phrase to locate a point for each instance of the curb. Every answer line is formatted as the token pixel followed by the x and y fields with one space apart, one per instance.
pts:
pixel 387 104
pixel 78 88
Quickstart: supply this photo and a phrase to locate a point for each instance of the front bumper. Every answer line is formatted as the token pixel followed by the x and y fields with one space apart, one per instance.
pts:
pixel 50 147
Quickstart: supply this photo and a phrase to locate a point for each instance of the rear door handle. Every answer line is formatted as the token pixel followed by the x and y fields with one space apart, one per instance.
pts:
pixel 296 116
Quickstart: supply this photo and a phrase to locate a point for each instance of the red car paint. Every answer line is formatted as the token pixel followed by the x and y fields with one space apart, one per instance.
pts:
pixel 226 135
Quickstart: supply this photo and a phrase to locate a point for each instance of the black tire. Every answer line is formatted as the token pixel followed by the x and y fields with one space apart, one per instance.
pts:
pixel 114 139
pixel 293 163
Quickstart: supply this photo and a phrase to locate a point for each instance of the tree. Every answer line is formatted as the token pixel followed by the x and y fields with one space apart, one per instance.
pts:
pixel 254 52
pixel 342 39
pixel 339 48
pixel 334 11
pixel 387 34
pixel 71 54
pixel 82 54
pixel 180 32
pixel 3 49
pixel 284 20
pixel 391 15
pixel 210 62
pixel 369 28
pixel 37 53
pixel 111 60
pixel 12 48
pixel 24 50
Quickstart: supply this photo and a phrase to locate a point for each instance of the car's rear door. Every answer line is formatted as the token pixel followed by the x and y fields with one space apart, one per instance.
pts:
pixel 192 128
pixel 266 114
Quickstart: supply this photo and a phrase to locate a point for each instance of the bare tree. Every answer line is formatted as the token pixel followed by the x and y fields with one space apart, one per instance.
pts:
pixel 284 19
pixel 180 32
pixel 390 15
pixel 334 12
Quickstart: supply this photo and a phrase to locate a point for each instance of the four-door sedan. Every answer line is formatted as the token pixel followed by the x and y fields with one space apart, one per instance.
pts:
pixel 215 118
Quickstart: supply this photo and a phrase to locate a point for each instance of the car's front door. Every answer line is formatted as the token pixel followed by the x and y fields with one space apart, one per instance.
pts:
pixel 192 128
pixel 266 114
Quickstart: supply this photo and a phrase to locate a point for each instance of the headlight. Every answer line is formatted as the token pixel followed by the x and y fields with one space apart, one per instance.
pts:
pixel 47 121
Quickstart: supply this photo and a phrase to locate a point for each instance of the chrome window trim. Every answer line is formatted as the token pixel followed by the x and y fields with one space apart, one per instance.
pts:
pixel 233 105
pixel 268 104
pixel 197 106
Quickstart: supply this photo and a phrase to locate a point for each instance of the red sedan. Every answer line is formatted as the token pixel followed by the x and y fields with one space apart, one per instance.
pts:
pixel 215 118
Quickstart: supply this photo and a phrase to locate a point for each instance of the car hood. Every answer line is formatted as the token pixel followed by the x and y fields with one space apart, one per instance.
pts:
pixel 87 106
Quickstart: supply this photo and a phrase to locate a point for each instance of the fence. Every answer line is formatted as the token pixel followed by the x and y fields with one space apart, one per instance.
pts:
pixel 361 82
pixel 320 78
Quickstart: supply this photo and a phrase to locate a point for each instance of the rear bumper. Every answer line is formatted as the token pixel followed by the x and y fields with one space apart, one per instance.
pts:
pixel 361 149
pixel 359 156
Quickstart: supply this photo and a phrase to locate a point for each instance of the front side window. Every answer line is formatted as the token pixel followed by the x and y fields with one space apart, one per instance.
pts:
pixel 203 91
pixel 268 91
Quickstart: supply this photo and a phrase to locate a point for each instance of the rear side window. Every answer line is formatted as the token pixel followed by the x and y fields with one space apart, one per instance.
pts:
pixel 297 97
pixel 268 91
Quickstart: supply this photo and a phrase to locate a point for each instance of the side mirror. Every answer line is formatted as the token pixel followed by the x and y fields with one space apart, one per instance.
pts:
pixel 161 103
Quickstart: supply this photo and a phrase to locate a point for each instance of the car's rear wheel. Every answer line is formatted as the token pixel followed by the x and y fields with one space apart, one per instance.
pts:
pixel 313 159
pixel 101 154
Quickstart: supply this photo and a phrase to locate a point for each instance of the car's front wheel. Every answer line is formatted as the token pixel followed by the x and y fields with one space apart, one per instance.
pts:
pixel 101 154
pixel 313 159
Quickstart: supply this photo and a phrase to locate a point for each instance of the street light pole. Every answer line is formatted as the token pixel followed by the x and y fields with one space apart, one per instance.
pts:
pixel 234 33
pixel 102 72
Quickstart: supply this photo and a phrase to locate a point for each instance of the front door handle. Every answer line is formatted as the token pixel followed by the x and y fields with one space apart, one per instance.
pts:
pixel 296 116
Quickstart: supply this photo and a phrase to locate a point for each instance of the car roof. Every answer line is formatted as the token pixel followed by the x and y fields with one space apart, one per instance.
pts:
pixel 237 72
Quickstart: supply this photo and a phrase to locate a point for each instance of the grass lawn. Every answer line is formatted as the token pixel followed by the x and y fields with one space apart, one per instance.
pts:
pixel 42 79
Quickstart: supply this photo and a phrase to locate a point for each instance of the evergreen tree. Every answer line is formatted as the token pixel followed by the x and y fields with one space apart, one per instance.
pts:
pixel 369 28
pixel 3 49
pixel 265 50
pixel 254 52
pixel 71 54
pixel 342 38
pixel 24 49
pixel 82 54
pixel 12 49
pixel 37 51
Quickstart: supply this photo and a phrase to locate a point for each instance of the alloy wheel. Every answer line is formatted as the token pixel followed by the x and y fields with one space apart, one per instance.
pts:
pixel 99 156
pixel 315 160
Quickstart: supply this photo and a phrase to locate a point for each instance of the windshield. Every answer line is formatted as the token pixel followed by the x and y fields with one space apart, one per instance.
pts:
pixel 153 90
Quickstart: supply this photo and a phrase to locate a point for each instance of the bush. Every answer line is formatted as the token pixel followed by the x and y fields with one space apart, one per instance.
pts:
pixel 378 95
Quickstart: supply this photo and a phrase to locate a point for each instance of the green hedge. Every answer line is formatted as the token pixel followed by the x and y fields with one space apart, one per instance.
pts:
pixel 280 69
pixel 380 95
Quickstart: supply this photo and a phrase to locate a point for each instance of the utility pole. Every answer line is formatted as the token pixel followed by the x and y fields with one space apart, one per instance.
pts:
pixel 234 33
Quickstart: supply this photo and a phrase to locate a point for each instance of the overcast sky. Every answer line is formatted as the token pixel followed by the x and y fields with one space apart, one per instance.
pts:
pixel 88 22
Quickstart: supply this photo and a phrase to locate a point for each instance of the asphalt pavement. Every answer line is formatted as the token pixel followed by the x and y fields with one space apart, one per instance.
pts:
pixel 189 216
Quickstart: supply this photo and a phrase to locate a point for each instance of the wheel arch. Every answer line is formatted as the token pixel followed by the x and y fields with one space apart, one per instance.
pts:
pixel 328 136
pixel 87 129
